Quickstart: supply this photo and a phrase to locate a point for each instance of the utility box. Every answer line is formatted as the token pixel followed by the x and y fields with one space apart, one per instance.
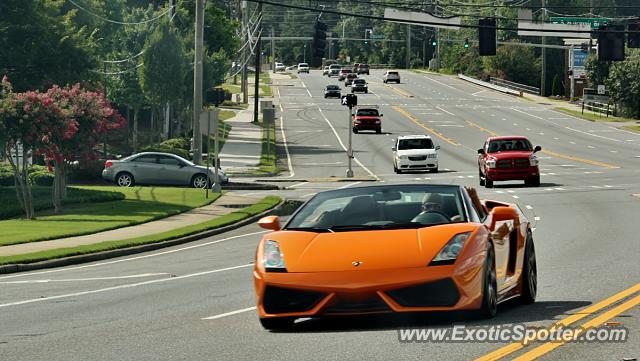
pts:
pixel 266 104
pixel 268 115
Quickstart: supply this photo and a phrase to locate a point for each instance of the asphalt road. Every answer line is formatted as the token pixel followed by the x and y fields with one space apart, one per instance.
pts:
pixel 195 301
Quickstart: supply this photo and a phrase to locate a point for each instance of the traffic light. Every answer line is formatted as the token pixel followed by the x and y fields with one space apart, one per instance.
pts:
pixel 466 43
pixel 319 42
pixel 487 37
pixel 633 41
pixel 611 43
pixel 434 42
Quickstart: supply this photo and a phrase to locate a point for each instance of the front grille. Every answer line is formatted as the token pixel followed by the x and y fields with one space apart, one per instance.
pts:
pixel 373 304
pixel 512 163
pixel 441 293
pixel 416 158
pixel 282 300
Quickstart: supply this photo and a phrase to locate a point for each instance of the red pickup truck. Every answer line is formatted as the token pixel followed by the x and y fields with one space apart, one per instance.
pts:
pixel 508 158
pixel 367 117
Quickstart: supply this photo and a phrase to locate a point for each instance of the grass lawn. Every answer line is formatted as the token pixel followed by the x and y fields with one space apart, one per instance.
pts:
pixel 42 199
pixel 593 117
pixel 141 204
pixel 241 214
pixel 232 88
pixel 635 128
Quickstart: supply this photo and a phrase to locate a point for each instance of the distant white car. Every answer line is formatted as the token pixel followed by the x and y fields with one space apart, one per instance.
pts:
pixel 292 67
pixel 303 68
pixel 325 70
pixel 415 152
pixel 279 67
pixel 391 76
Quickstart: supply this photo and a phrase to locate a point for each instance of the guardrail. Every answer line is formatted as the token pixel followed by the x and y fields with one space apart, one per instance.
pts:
pixel 598 108
pixel 489 85
pixel 515 86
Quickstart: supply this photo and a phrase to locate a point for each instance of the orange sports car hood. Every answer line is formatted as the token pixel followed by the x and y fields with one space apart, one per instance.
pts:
pixel 371 250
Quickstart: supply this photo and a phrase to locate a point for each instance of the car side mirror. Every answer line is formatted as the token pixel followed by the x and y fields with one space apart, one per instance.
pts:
pixel 437 147
pixel 270 222
pixel 499 214
pixel 481 151
pixel 537 149
pixel 393 149
pixel 381 115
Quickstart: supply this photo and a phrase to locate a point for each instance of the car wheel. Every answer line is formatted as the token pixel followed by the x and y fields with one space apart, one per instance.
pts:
pixel 199 181
pixel 489 306
pixel 535 182
pixel 488 183
pixel 379 131
pixel 435 170
pixel 481 178
pixel 124 179
pixel 395 169
pixel 529 273
pixel 355 130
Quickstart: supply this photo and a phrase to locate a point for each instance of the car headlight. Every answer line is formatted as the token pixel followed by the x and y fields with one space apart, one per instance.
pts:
pixel 533 161
pixel 273 259
pixel 404 157
pixel 491 163
pixel 451 250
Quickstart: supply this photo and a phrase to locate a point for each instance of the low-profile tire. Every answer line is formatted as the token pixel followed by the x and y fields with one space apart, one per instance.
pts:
pixel 488 183
pixel 355 130
pixel 481 178
pixel 529 273
pixel 434 170
pixel 533 182
pixel 124 179
pixel 279 323
pixel 489 306
pixel 199 181
pixel 378 131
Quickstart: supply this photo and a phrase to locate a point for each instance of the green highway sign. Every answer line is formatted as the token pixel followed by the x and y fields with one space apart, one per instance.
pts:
pixel 595 22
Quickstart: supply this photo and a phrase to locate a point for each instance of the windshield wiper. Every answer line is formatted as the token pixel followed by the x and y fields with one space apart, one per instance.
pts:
pixel 402 225
pixel 310 229
pixel 355 227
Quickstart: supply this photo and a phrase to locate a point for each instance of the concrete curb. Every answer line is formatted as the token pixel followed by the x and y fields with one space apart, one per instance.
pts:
pixel 489 85
pixel 250 186
pixel 98 256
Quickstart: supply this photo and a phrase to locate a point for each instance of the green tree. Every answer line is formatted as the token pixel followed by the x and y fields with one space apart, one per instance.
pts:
pixel 163 69
pixel 597 71
pixel 623 83
pixel 515 63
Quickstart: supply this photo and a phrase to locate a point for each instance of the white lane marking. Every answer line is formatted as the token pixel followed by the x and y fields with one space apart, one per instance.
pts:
pixel 536 218
pixel 529 207
pixel 478 92
pixel 297 185
pixel 134 258
pixel 556 138
pixel 305 88
pixel 284 140
pixel 515 197
pixel 520 111
pixel 441 83
pixel 559 189
pixel 510 191
pixel 343 146
pixel 349 185
pixel 448 112
pixel 328 163
pixel 499 192
pixel 114 288
pixel 86 279
pixel 307 195
pixel 230 313
pixel 572 142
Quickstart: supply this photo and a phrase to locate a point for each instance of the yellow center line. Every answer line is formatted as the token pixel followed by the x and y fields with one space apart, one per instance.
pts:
pixel 492 133
pixel 597 321
pixel 513 347
pixel 581 160
pixel 431 130
pixel 400 91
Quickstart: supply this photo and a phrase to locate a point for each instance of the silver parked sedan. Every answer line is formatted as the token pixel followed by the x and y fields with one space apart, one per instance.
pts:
pixel 158 168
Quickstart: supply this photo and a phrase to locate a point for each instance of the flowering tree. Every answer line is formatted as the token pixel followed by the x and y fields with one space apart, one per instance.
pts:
pixel 61 124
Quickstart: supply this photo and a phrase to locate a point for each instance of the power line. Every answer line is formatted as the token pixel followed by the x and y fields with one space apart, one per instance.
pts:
pixel 117 72
pixel 124 60
pixel 120 22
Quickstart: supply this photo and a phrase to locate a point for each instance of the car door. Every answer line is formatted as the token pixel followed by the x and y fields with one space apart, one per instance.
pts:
pixel 481 158
pixel 144 168
pixel 172 171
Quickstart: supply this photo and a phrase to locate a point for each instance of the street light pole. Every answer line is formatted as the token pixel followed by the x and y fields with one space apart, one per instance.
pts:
pixel 197 83
pixel 304 53
pixel 350 149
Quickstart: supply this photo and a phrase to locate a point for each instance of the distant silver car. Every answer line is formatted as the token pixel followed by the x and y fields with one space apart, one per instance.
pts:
pixel 158 168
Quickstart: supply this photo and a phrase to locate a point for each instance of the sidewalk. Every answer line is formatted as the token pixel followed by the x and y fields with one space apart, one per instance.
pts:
pixel 242 149
pixel 226 204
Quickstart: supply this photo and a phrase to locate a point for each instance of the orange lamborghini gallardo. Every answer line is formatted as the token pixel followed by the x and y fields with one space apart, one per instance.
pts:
pixel 393 248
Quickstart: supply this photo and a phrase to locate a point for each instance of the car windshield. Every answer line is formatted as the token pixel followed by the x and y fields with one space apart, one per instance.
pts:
pixel 392 73
pixel 303 65
pixel 359 81
pixel 381 207
pixel 333 87
pixel 367 112
pixel 506 145
pixel 364 65
pixel 417 143
pixel 345 70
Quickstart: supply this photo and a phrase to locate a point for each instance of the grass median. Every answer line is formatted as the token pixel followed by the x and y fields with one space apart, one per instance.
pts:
pixel 593 117
pixel 231 218
pixel 140 205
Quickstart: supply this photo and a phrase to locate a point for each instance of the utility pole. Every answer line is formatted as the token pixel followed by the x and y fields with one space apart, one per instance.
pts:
pixel 408 56
pixel 245 55
pixel 273 50
pixel 543 73
pixel 437 42
pixel 256 96
pixel 197 83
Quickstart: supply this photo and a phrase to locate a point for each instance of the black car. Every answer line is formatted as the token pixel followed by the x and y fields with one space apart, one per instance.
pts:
pixel 359 85
pixel 363 69
pixel 332 91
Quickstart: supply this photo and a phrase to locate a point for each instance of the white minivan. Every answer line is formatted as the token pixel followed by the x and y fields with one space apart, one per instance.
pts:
pixel 415 153
pixel 303 68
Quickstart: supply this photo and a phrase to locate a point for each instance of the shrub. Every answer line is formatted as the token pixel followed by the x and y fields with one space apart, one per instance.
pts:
pixel 6 178
pixel 44 179
pixel 180 143
pixel 160 148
